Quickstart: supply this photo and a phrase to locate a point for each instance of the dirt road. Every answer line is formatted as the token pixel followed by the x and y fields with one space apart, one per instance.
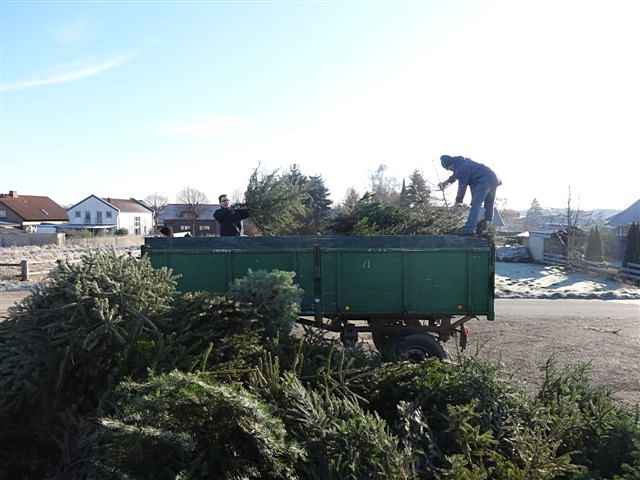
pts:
pixel 527 332
pixel 7 299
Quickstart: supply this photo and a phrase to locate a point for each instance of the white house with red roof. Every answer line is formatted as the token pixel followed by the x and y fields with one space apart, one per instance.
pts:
pixel 110 214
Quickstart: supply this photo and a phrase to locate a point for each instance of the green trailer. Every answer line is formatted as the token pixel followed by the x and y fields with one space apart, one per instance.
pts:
pixel 410 292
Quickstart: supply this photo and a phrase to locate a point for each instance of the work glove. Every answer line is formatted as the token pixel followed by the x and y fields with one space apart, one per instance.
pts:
pixel 443 185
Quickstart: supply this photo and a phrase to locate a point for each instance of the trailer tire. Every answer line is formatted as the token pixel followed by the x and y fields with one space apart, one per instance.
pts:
pixel 385 346
pixel 419 347
pixel 382 342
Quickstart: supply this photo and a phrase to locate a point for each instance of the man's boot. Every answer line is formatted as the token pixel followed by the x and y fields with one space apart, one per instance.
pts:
pixel 481 227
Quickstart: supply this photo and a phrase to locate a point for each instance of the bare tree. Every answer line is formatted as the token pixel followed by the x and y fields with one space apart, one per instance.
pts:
pixel 156 202
pixel 383 186
pixel 194 201
pixel 350 200
pixel 573 217
pixel 236 196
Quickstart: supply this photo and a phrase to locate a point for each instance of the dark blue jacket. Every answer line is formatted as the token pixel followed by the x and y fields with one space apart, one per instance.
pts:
pixel 471 174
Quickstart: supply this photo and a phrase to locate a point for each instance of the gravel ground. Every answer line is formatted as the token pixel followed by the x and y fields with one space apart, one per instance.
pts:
pixel 526 333
pixel 46 258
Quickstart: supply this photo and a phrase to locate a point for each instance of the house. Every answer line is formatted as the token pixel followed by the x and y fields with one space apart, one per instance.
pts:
pixel 535 241
pixel 110 214
pixel 180 218
pixel 29 211
pixel 498 221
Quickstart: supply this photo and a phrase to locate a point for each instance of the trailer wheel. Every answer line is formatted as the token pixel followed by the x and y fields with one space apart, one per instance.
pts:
pixel 380 341
pixel 419 347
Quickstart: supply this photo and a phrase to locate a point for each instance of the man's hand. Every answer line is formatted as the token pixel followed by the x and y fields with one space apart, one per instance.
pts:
pixel 443 185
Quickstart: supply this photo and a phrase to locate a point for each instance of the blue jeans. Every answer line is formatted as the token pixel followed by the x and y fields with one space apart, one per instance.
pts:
pixel 484 193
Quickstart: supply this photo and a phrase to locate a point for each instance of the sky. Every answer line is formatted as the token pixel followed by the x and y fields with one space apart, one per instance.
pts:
pixel 124 99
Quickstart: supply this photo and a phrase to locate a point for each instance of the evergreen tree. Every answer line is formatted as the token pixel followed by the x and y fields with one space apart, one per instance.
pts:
pixel 295 177
pixel 534 215
pixel 636 250
pixel 594 246
pixel 404 199
pixel 276 202
pixel 418 192
pixel 318 203
pixel 632 251
pixel 350 200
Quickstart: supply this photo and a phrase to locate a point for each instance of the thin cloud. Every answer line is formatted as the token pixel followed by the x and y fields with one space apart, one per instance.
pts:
pixel 71 32
pixel 70 76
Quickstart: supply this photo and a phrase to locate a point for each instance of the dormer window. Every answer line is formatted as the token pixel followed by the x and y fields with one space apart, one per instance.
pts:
pixel 3 213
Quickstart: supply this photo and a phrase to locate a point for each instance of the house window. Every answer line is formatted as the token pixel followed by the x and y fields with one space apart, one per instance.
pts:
pixel 87 217
pixel 3 213
pixel 108 213
pixel 205 228
pixel 185 228
pixel 99 217
pixel 78 214
pixel 136 224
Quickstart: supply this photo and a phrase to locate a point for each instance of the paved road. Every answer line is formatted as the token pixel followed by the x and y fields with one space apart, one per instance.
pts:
pixel 527 332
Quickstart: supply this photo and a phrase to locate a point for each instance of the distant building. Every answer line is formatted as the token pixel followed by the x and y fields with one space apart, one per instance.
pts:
pixel 110 214
pixel 535 241
pixel 623 220
pixel 180 219
pixel 30 211
pixel 498 221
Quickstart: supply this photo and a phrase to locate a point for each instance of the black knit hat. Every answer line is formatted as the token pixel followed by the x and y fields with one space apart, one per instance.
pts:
pixel 445 161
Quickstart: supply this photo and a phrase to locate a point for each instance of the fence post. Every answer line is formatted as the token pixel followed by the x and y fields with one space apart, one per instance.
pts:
pixel 24 270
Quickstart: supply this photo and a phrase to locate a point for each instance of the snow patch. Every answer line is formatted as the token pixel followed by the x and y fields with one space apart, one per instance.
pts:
pixel 519 280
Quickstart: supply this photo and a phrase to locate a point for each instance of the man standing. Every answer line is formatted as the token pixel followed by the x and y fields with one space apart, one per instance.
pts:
pixel 483 182
pixel 230 219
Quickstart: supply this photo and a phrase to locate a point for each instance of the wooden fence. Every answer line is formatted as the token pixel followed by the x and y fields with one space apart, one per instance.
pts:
pixel 630 273
pixel 26 268
pixel 553 259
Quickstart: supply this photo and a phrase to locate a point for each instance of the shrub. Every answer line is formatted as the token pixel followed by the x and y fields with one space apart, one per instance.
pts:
pixel 341 439
pixel 435 385
pixel 79 332
pixel 69 342
pixel 373 216
pixel 594 246
pixel 207 332
pixel 121 231
pixel 632 250
pixel 432 388
pixel 183 426
pixel 275 297
pixel 598 432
